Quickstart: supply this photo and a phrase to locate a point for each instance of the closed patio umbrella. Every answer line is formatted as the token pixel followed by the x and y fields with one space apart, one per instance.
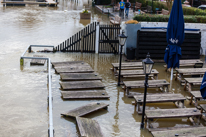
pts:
pixel 175 36
pixel 203 87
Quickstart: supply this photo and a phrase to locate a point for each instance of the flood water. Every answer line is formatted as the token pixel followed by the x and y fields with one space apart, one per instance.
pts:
pixel 24 91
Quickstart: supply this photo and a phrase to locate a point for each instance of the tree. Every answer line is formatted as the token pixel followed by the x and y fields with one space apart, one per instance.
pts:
pixel 169 5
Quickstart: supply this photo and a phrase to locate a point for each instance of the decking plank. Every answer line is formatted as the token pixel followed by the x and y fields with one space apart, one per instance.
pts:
pixel 86 94
pixel 66 63
pixel 196 94
pixel 95 84
pixel 38 61
pixel 79 76
pixel 181 132
pixel 74 69
pixel 140 84
pixel 128 64
pixel 172 113
pixel 155 98
pixel 86 109
pixel 135 72
pixel 89 127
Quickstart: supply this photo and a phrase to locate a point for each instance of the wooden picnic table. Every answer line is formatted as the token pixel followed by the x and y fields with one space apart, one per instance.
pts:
pixel 196 95
pixel 159 98
pixel 151 84
pixel 127 65
pixel 172 113
pixel 79 76
pixel 181 132
pixel 189 82
pixel 137 73
pixel 189 63
pixel 189 71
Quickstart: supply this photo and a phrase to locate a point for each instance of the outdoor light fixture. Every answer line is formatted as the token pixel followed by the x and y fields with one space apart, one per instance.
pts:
pixel 122 39
pixel 147 65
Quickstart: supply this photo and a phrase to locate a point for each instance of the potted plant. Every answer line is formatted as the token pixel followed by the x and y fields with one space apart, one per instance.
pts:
pixel 85 14
pixel 131 28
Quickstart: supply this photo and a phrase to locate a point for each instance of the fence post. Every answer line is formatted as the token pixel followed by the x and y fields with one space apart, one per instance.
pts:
pixel 97 39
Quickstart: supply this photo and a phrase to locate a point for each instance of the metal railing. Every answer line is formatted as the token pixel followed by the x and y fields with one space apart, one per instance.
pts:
pixel 50 98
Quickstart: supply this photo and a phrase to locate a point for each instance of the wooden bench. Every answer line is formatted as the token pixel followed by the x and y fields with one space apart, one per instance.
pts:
pixel 115 20
pixel 138 5
pixel 195 63
pixel 163 12
pixel 79 76
pixel 147 9
pixel 116 7
pixel 188 72
pixel 137 73
pixel 181 132
pixel 178 99
pixel 189 82
pixel 162 84
pixel 196 95
pixel 127 65
pixel 172 113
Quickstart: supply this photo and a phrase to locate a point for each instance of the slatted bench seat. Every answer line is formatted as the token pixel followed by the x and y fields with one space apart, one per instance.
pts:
pixel 188 72
pixel 116 20
pixel 178 99
pixel 140 84
pixel 138 5
pixel 172 113
pixel 74 69
pixel 67 63
pixel 137 73
pixel 190 82
pixel 163 12
pixel 181 132
pixel 38 61
pixel 189 63
pixel 196 95
pixel 127 65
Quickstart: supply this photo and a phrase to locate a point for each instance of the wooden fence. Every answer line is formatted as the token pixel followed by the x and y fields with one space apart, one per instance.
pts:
pixel 82 41
pixel 155 43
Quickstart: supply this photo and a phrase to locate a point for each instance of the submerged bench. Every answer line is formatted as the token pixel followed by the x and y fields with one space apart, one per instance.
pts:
pixel 178 99
pixel 189 71
pixel 138 73
pixel 181 132
pixel 189 63
pixel 172 113
pixel 127 65
pixel 151 84
pixel 189 82
pixel 67 63
pixel 196 95
pixel 38 61
pixel 74 69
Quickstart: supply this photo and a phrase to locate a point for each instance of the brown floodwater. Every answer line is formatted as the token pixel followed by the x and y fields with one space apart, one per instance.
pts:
pixel 24 91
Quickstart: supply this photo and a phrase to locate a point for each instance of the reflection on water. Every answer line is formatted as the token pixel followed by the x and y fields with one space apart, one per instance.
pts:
pixel 24 91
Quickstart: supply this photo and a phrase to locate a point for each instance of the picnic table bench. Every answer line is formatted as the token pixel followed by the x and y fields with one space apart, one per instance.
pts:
pixel 151 84
pixel 178 99
pixel 196 95
pixel 189 71
pixel 163 12
pixel 127 65
pixel 189 63
pixel 172 113
pixel 116 20
pixel 189 82
pixel 137 73
pixel 181 132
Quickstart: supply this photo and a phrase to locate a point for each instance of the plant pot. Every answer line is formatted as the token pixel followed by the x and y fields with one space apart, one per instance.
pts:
pixel 85 15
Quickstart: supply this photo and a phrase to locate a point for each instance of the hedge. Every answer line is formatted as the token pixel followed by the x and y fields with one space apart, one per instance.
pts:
pixel 165 18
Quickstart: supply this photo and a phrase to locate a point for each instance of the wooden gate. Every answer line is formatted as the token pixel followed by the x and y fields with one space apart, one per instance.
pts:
pixel 108 38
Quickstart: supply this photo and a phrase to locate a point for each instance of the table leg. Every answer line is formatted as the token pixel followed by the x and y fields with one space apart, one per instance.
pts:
pixel 185 86
pixel 176 75
pixel 191 99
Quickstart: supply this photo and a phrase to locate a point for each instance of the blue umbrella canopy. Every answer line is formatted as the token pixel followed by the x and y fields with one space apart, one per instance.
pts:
pixel 203 87
pixel 175 35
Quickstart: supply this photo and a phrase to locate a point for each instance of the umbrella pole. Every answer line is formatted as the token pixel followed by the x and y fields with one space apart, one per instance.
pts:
pixel 171 74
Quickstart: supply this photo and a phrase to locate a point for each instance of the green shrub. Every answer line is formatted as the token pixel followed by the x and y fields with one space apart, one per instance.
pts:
pixel 165 18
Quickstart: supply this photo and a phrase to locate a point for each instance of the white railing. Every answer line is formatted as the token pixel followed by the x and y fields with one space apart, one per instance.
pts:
pixel 51 128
